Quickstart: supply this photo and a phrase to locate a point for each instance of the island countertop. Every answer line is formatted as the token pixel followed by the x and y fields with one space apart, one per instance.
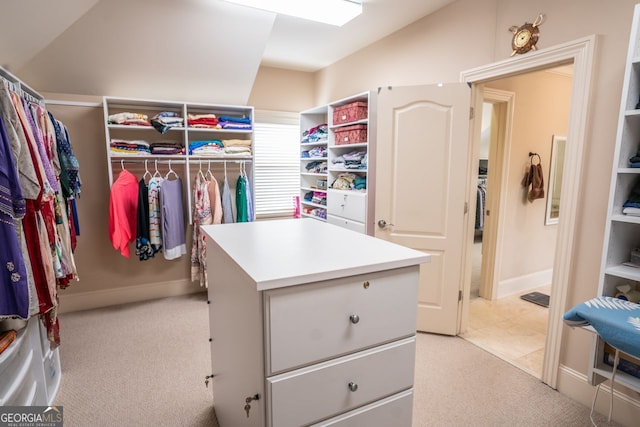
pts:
pixel 288 252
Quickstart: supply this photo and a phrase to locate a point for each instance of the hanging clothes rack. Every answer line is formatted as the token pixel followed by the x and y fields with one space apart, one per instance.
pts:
pixel 40 335
pixel 20 87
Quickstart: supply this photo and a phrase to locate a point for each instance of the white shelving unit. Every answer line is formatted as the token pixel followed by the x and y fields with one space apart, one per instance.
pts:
pixel 313 182
pixel 622 232
pixel 351 209
pixel 185 165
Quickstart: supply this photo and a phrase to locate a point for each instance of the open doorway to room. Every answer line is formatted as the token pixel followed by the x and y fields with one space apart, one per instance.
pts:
pixel 515 234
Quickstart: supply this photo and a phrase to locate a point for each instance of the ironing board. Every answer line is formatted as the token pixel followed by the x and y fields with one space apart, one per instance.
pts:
pixel 616 321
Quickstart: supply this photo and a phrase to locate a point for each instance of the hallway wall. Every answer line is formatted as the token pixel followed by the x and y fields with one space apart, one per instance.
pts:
pixel 541 110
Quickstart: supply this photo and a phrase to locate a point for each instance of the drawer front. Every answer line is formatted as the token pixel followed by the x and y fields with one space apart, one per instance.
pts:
pixel 350 205
pixel 322 391
pixel 396 411
pixel 308 323
pixel 346 223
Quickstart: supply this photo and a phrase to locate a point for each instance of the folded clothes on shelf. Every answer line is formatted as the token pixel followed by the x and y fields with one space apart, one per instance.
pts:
pixel 130 119
pixel 165 120
pixel 316 134
pixel 126 147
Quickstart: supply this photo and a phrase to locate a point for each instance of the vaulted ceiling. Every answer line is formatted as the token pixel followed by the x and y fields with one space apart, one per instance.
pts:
pixel 193 49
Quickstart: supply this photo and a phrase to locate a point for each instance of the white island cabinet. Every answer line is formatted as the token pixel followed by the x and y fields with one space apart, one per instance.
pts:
pixel 300 339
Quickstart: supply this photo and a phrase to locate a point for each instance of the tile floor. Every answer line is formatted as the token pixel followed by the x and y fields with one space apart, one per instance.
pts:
pixel 510 328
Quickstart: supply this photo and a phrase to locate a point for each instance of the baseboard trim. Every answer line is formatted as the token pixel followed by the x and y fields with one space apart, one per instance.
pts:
pixel 524 283
pixel 576 386
pixel 115 296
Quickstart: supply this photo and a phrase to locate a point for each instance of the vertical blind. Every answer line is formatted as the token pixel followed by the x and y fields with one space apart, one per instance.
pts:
pixel 276 162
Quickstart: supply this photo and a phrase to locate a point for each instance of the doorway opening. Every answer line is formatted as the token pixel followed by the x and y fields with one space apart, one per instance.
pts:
pixel 580 53
pixel 513 258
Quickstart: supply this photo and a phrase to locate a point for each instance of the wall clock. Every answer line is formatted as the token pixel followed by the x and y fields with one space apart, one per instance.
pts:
pixel 525 36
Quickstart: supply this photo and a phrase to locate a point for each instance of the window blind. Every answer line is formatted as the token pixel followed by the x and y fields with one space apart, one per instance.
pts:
pixel 276 163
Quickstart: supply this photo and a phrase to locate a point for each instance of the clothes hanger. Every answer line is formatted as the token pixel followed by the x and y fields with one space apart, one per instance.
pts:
pixel 146 171
pixel 171 171
pixel 200 173
pixel 209 172
pixel 157 174
pixel 122 164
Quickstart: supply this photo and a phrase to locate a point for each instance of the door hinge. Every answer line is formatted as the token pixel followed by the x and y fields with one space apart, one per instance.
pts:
pixel 459 295
pixel 466 208
pixel 471 111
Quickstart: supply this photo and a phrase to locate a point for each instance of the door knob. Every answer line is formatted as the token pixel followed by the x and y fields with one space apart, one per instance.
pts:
pixel 382 223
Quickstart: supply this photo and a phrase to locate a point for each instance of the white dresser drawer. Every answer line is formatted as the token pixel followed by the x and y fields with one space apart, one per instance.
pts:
pixel 330 388
pixel 396 411
pixel 309 323
pixel 346 223
pixel 347 204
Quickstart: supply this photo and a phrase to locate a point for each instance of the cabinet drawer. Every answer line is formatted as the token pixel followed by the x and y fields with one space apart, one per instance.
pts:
pixel 311 394
pixel 308 323
pixel 347 204
pixel 396 411
pixel 346 223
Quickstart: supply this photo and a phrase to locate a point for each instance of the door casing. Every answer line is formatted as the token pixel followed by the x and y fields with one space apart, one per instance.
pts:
pixel 581 53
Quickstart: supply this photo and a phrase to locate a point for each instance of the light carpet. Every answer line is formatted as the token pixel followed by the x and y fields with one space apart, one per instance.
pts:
pixel 144 364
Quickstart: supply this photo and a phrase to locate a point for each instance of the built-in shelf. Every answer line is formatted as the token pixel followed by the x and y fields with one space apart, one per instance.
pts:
pixel 622 232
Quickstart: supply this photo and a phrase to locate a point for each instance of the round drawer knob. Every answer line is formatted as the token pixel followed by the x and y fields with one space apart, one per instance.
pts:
pixel 353 386
pixel 354 318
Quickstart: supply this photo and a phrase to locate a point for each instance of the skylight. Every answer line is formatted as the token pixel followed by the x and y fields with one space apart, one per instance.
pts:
pixel 332 12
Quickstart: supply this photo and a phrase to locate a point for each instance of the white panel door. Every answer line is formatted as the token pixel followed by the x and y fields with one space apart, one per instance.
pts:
pixel 422 157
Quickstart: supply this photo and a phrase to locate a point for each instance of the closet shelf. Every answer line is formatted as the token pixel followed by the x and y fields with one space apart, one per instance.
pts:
pixel 144 128
pixel 621 377
pixel 357 122
pixel 183 136
pixel 340 191
pixel 315 205
pixel 230 131
pixel 321 190
pixel 223 158
pixel 349 146
pixel 313 216
pixel 347 170
pixel 352 209
pixel 624 271
pixel 631 171
pixel 626 218
pixel 143 157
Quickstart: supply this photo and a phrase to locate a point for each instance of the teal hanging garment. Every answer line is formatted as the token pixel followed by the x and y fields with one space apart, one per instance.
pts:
pixel 242 211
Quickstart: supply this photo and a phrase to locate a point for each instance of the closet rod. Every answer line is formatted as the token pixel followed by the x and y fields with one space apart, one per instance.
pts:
pixel 24 88
pixel 149 161
pixel 7 75
pixel 201 160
